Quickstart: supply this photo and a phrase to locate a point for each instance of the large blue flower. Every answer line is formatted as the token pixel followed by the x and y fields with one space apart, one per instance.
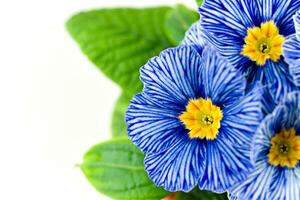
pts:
pixel 275 154
pixel 250 33
pixel 291 50
pixel 193 120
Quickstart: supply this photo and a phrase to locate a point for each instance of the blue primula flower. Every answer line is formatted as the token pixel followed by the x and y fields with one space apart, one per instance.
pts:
pixel 193 120
pixel 250 33
pixel 275 154
pixel 291 50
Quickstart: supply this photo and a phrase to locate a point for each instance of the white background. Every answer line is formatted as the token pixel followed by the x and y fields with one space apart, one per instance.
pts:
pixel 54 103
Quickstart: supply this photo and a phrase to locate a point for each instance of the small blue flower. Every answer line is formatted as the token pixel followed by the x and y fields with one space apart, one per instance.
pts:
pixel 275 154
pixel 194 120
pixel 291 51
pixel 250 33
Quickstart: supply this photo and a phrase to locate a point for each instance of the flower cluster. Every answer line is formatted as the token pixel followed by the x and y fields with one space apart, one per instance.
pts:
pixel 222 110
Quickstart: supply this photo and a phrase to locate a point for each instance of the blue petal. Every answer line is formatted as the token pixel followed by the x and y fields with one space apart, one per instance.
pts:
pixel 152 125
pixel 225 165
pixel 194 37
pixel 229 18
pixel 291 51
pixel 292 102
pixel 221 82
pixel 173 76
pixel 276 75
pixel 225 25
pixel 256 185
pixel 178 168
pixel 281 12
pixel 268 103
pixel 242 118
pixel 297 24
pixel 285 184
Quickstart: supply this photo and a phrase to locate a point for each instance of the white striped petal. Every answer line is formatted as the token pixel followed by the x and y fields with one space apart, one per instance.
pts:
pixel 178 168
pixel 225 165
pixel 220 80
pixel 242 118
pixel 256 185
pixel 153 126
pixel 173 76
pixel 285 184
pixel 195 37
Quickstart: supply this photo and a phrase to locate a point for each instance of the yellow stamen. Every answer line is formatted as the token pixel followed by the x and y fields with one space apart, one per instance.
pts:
pixel 202 118
pixel 263 43
pixel 285 149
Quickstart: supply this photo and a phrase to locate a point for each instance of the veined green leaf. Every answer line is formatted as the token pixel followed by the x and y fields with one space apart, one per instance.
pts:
pixel 115 168
pixel 178 21
pixel 119 41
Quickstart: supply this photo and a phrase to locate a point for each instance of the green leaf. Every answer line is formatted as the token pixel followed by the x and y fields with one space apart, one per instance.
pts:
pixel 119 41
pixel 197 194
pixel 115 168
pixel 118 125
pixel 178 21
pixel 199 2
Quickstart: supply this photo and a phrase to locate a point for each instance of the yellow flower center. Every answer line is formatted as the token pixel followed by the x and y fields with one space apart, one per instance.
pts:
pixel 285 149
pixel 202 118
pixel 263 43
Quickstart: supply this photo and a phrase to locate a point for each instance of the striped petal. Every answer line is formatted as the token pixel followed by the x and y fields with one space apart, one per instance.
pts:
pixel 285 184
pixel 221 82
pixel 292 103
pixel 242 118
pixel 276 75
pixel 173 76
pixel 178 168
pixel 291 51
pixel 297 24
pixel 230 18
pixel 226 164
pixel 268 103
pixel 194 37
pixel 152 126
pixel 256 185
pixel 281 12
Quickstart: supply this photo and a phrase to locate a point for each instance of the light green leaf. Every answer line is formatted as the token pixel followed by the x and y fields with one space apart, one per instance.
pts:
pixel 178 21
pixel 115 168
pixel 197 194
pixel 118 125
pixel 120 41
pixel 199 2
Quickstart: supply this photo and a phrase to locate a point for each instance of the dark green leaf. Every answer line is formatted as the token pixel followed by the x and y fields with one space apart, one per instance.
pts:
pixel 115 168
pixel 120 41
pixel 197 194
pixel 178 21
pixel 119 127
